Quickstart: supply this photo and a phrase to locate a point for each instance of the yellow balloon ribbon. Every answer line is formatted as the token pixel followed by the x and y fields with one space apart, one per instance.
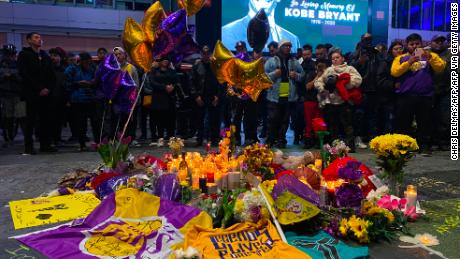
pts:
pixel 135 43
pixel 152 20
pixel 191 6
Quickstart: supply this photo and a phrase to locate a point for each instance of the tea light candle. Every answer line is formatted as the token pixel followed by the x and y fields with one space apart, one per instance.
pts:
pixel 212 188
pixel 202 184
pixel 411 196
pixel 234 180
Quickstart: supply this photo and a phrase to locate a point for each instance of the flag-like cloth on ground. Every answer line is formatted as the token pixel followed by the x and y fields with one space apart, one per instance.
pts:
pixel 49 210
pixel 127 224
pixel 243 240
pixel 291 200
pixel 322 245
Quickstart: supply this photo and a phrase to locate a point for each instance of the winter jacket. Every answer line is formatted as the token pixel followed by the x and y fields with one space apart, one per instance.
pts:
pixel 10 86
pixel 385 81
pixel 80 93
pixel 158 79
pixel 416 79
pixel 441 81
pixel 326 97
pixel 310 95
pixel 36 71
pixel 204 82
pixel 293 65
pixel 368 72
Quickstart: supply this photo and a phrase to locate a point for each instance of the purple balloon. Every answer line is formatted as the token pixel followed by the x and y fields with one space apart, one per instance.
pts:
pixel 109 75
pixel 291 184
pixel 243 56
pixel 126 95
pixel 163 45
pixel 258 31
pixel 168 187
pixel 175 23
pixel 186 47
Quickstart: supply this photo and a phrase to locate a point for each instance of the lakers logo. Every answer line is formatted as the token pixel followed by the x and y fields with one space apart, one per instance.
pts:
pixel 120 238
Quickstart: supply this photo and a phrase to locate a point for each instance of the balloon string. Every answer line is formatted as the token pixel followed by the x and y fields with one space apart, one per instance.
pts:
pixel 132 110
pixel 103 121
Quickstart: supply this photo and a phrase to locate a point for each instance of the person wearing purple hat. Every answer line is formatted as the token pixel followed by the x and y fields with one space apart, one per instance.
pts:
pixel 441 84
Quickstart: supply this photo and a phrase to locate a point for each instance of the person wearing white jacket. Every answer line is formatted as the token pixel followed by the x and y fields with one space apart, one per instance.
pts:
pixel 337 111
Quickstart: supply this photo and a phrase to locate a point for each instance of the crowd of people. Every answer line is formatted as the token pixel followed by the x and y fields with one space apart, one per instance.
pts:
pixel 374 90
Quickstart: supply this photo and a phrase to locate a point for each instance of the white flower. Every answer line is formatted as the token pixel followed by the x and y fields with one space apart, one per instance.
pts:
pixel 427 239
pixel 377 194
pixel 214 205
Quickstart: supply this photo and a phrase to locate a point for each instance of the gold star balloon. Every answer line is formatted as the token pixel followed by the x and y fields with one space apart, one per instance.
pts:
pixel 191 6
pixel 136 44
pixel 152 20
pixel 250 77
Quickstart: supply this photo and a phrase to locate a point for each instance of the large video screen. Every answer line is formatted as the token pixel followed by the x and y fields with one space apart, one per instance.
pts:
pixel 339 22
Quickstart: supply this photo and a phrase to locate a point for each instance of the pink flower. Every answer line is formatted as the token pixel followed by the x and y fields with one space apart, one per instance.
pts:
pixel 411 213
pixel 386 202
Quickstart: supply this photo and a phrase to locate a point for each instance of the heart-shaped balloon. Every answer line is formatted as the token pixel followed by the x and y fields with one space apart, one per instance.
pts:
pixel 136 44
pixel 258 31
pixel 191 6
pixel 175 23
pixel 152 20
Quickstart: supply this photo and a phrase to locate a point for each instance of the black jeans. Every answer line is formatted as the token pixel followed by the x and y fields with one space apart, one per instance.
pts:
pixel 278 120
pixel 82 112
pixel 340 117
pixel 165 120
pixel 39 116
pixel 246 112
pixel 297 119
pixel 212 113
pixel 421 107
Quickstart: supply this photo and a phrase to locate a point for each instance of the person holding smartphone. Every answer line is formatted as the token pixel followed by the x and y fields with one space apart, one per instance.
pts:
pixel 415 71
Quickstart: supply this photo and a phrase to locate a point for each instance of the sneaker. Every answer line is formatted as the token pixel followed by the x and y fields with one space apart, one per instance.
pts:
pixel 359 143
pixel 135 143
pixel 153 144
pixel 161 142
pixel 29 152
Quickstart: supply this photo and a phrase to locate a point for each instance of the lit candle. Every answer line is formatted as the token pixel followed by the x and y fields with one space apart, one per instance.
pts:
pixel 202 184
pixel 208 147
pixel 210 176
pixel 411 196
pixel 182 175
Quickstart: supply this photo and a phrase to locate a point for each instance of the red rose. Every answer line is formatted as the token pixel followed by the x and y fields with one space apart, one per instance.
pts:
pixel 319 125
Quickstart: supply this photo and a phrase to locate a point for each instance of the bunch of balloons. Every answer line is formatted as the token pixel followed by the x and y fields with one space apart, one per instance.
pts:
pixel 160 35
pixel 250 77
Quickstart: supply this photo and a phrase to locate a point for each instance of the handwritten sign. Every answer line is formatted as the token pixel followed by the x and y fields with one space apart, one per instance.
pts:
pixel 44 210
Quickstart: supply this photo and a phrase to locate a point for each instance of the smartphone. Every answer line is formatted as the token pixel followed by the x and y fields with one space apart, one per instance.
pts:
pixel 419 52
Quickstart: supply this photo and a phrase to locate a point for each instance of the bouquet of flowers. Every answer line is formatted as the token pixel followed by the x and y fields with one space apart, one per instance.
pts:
pixel 338 149
pixel 176 145
pixel 355 228
pixel 257 160
pixel 113 152
pixel 393 151
pixel 250 207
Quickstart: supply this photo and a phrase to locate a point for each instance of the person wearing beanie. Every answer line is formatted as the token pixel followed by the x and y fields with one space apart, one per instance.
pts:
pixel 81 88
pixel 415 71
pixel 285 72
pixel 122 58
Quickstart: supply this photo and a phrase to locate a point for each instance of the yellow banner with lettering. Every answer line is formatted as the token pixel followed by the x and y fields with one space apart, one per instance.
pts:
pixel 49 210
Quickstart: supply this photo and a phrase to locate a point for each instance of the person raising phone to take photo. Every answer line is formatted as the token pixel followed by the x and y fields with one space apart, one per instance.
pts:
pixel 415 71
